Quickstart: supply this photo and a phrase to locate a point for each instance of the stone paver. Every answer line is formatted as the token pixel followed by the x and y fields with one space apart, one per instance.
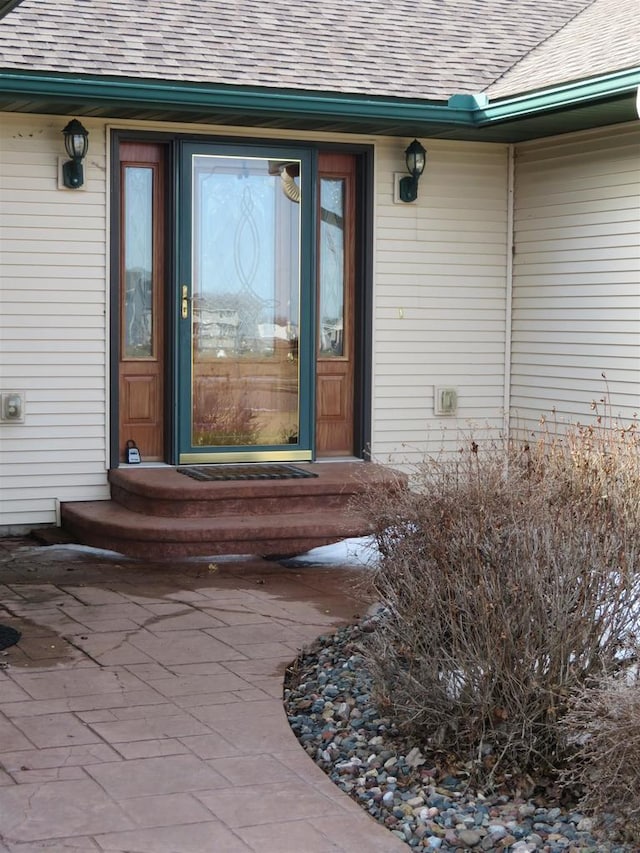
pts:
pixel 142 710
pixel 55 809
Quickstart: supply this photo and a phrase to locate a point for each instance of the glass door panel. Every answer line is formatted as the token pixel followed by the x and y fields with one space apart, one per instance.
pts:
pixel 245 309
pixel 331 268
pixel 137 326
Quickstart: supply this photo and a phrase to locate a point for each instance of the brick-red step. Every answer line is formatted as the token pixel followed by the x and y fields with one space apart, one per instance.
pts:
pixel 159 513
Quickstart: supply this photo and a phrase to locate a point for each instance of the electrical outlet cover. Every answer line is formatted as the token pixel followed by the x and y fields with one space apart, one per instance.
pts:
pixel 12 407
pixel 445 401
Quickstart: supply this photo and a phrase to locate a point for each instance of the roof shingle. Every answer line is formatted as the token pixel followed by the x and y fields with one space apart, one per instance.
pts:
pixel 427 49
pixel 605 37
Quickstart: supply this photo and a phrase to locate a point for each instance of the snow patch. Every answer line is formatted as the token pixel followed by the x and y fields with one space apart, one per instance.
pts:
pixel 358 551
pixel 84 549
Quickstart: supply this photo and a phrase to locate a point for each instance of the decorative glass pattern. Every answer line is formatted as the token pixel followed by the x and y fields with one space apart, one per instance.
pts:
pixel 245 301
pixel 138 262
pixel 332 273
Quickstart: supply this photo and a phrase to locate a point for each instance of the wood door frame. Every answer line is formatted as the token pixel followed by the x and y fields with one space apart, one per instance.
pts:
pixel 143 377
pixel 335 380
pixel 115 254
pixel 363 307
pixel 363 291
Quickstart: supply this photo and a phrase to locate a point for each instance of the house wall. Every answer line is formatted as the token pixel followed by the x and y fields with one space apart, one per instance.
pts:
pixel 440 299
pixel 576 288
pixel 438 306
pixel 52 321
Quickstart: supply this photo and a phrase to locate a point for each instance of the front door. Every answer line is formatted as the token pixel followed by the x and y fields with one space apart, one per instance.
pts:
pixel 254 339
pixel 245 306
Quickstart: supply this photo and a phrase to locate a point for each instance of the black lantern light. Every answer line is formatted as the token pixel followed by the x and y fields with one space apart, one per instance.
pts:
pixel 416 159
pixel 76 141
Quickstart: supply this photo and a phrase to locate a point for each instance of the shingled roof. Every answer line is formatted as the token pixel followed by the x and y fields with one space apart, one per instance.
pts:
pixel 605 37
pixel 427 49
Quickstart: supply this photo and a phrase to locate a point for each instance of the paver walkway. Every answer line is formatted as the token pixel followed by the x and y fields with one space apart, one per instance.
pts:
pixel 142 709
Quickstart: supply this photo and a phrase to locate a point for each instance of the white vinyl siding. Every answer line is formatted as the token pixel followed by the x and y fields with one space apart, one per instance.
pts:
pixel 576 296
pixel 52 321
pixel 440 298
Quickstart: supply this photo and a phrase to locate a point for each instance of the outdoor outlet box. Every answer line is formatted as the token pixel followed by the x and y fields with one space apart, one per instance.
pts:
pixel 12 407
pixel 445 401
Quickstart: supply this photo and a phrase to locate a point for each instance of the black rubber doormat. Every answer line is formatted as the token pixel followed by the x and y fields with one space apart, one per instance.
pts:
pixel 8 636
pixel 245 472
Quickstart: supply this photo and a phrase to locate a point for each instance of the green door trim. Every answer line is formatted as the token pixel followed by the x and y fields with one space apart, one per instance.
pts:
pixel 304 449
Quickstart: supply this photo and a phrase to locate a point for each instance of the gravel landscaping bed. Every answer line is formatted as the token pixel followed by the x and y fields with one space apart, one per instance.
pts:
pixel 330 709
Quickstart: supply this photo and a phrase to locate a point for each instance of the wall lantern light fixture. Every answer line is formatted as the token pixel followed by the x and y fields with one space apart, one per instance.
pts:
pixel 76 141
pixel 416 159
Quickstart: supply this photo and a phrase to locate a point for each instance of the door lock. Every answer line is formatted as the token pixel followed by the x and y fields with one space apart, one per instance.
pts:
pixel 185 302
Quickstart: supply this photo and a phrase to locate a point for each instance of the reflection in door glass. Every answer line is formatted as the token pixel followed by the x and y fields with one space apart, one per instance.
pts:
pixel 245 305
pixel 331 267
pixel 138 262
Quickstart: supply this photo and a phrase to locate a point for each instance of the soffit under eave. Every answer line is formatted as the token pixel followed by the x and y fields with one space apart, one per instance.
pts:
pixel 583 116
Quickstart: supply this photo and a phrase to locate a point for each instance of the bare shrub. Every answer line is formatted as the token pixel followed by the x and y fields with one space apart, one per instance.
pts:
pixel 508 576
pixel 223 416
pixel 603 722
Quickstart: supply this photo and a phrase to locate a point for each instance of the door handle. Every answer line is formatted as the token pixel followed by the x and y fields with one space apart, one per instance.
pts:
pixel 185 302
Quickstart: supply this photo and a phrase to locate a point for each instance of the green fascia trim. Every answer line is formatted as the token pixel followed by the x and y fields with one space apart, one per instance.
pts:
pixel 242 100
pixel 7 5
pixel 468 102
pixel 563 97
pixel 473 111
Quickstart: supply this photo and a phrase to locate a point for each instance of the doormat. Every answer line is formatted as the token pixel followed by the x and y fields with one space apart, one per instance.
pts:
pixel 8 636
pixel 245 472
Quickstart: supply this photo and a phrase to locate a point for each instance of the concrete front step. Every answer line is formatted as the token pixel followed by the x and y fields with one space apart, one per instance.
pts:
pixel 166 492
pixel 106 524
pixel 160 513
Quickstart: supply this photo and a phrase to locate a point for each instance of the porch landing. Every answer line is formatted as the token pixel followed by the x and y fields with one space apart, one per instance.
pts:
pixel 158 512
